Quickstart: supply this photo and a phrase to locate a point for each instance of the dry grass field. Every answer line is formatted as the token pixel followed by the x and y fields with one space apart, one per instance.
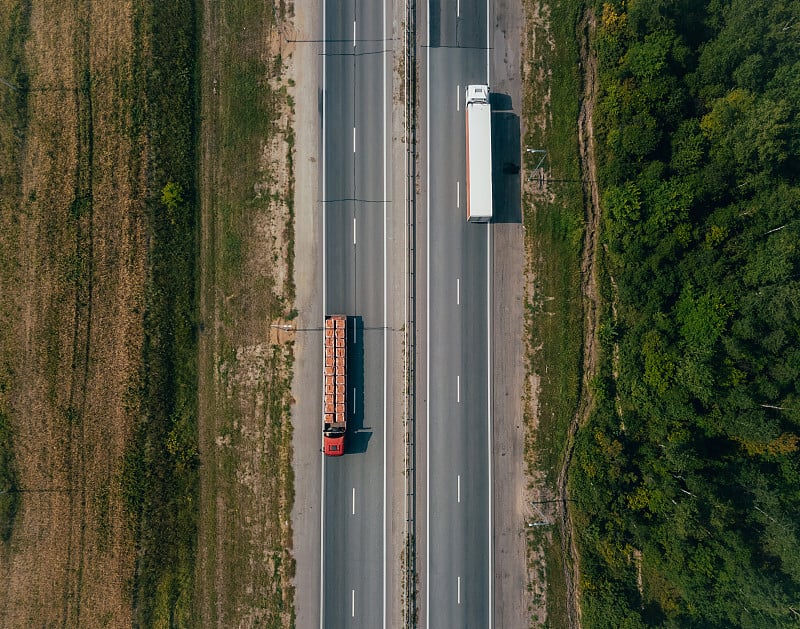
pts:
pixel 245 565
pixel 112 513
pixel 98 342
pixel 73 249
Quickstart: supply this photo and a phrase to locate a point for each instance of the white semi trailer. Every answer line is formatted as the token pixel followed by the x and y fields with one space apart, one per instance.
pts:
pixel 479 154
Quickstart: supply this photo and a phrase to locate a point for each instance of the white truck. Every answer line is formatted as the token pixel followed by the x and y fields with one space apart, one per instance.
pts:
pixel 479 154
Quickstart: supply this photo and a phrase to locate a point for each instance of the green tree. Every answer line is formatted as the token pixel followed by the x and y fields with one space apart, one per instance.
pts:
pixel 172 195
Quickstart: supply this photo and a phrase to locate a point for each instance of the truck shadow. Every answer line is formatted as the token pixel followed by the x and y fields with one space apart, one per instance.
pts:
pixel 435 23
pixel 506 153
pixel 358 435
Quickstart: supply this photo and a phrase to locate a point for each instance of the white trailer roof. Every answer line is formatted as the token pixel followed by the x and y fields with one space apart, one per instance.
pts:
pixel 479 161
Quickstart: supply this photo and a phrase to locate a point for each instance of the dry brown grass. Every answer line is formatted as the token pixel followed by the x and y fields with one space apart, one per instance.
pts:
pixel 244 565
pixel 75 232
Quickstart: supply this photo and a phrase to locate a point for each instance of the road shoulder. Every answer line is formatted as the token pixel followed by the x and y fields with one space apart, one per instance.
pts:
pixel 512 599
pixel 307 461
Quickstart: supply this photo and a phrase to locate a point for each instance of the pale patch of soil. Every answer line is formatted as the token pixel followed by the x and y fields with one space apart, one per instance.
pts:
pixel 77 234
pixel 536 76
pixel 269 228
pixel 637 558
pixel 535 516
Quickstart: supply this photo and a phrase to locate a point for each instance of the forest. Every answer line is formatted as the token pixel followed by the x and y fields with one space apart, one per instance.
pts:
pixel 686 479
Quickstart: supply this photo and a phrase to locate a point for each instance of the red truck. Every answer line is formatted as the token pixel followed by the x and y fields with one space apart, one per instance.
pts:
pixel 334 382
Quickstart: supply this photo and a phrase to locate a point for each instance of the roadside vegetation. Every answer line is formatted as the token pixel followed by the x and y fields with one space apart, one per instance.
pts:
pixel 102 397
pixel 9 494
pixel 159 478
pixel 554 221
pixel 13 114
pixel 686 478
pixel 245 565
pixel 98 441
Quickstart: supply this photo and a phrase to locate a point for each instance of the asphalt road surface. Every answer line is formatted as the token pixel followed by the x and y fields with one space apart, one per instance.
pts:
pixel 356 112
pixel 458 565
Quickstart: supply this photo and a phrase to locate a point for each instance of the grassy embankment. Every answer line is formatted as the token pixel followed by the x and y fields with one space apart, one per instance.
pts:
pixel 245 566
pixel 160 478
pixel 13 106
pixel 554 222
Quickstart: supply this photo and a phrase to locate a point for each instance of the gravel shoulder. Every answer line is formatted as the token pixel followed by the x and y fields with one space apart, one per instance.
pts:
pixel 307 460
pixel 512 598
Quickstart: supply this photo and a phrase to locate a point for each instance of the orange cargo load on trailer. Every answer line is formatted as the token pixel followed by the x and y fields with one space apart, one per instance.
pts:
pixel 334 378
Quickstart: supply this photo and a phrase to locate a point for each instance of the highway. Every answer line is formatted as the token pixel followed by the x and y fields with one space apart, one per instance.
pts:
pixel 458 528
pixel 355 161
pixel 357 204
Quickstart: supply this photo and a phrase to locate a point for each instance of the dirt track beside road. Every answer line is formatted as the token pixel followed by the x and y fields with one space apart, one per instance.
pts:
pixel 591 304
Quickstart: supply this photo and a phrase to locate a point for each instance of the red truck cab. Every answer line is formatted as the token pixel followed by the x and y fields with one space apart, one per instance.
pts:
pixel 334 444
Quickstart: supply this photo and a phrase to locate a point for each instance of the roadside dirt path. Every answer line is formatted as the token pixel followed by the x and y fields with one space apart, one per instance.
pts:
pixel 590 292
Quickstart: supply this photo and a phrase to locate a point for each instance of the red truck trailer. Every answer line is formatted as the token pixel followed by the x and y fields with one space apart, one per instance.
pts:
pixel 334 382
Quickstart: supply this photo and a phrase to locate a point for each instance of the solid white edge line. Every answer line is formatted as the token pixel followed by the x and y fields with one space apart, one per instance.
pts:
pixel 488 33
pixel 386 147
pixel 489 344
pixel 489 407
pixel 324 310
pixel 324 123
pixel 406 270
pixel 428 326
